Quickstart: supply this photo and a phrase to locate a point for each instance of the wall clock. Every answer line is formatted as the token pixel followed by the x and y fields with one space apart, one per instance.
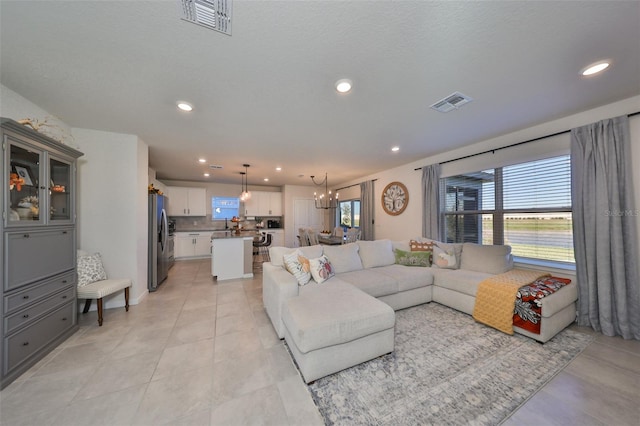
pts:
pixel 395 198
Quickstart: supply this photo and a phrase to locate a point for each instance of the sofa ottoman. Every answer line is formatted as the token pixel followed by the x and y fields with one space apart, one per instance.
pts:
pixel 336 326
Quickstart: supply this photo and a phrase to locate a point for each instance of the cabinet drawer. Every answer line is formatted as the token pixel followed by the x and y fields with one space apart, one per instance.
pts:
pixel 22 345
pixel 21 318
pixel 54 251
pixel 31 294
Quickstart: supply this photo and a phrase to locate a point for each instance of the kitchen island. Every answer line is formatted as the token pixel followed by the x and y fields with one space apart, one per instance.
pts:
pixel 232 254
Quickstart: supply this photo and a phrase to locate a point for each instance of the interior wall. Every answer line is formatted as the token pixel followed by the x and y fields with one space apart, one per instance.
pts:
pixel 113 207
pixel 409 223
pixel 17 107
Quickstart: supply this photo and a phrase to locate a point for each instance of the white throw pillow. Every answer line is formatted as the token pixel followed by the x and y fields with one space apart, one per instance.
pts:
pixel 298 265
pixel 486 258
pixel 321 269
pixel 276 254
pixel 344 258
pixel 444 259
pixel 376 253
pixel 90 269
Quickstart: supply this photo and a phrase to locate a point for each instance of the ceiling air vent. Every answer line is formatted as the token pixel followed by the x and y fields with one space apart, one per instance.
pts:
pixel 451 102
pixel 215 166
pixel 214 14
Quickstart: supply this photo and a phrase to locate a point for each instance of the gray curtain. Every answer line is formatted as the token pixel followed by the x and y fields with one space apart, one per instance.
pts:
pixel 604 228
pixel 431 201
pixel 367 209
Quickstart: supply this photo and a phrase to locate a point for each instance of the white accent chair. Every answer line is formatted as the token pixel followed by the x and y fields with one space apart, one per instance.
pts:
pixel 99 289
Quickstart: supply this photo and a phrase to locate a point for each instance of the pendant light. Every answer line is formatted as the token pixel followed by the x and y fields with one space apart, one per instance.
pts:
pixel 245 192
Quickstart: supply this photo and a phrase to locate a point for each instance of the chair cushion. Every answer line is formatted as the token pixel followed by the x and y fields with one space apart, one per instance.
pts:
pixel 100 289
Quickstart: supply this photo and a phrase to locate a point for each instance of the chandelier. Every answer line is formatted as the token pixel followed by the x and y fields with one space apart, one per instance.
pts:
pixel 244 186
pixel 325 200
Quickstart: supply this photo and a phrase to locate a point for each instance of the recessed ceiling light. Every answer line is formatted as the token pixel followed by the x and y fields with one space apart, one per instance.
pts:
pixel 184 106
pixel 595 68
pixel 202 160
pixel 343 85
pixel 206 175
pixel 278 169
pixel 395 149
pixel 266 179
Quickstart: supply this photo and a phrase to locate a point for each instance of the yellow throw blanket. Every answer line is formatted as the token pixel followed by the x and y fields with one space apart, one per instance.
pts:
pixel 496 298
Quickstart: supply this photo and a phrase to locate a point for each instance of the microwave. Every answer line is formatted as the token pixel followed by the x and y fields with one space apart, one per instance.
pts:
pixel 273 224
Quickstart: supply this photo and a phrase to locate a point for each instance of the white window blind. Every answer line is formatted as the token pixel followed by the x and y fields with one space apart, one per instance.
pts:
pixel 527 206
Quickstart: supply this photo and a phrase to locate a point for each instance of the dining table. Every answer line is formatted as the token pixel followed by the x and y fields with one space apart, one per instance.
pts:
pixel 329 240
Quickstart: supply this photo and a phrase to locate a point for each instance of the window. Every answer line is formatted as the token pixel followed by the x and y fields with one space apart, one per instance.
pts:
pixel 349 212
pixel 224 207
pixel 527 206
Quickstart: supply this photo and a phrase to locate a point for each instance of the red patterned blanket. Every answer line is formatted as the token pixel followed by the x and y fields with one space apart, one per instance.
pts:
pixel 528 308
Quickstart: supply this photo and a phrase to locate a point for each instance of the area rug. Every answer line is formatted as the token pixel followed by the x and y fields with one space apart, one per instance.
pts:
pixel 446 370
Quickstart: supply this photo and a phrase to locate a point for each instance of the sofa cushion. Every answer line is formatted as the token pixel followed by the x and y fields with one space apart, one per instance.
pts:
pixel 371 282
pixel 376 253
pixel 344 258
pixel 401 245
pixel 486 258
pixel 276 254
pixel 460 280
pixel 334 314
pixel 407 278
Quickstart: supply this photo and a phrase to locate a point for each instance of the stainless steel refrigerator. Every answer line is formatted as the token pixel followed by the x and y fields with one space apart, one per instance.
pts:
pixel 159 253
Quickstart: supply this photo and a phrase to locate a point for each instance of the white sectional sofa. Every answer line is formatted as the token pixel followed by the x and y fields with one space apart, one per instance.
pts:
pixel 370 267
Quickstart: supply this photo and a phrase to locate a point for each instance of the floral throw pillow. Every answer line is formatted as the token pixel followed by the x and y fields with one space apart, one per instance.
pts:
pixel 90 269
pixel 444 259
pixel 412 258
pixel 298 266
pixel 321 269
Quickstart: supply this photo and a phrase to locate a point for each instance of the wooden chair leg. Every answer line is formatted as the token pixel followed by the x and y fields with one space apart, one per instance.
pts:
pixel 99 301
pixel 87 305
pixel 126 299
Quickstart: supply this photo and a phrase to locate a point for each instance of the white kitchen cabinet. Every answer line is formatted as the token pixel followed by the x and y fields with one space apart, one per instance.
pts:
pixel 263 203
pixel 187 201
pixel 192 245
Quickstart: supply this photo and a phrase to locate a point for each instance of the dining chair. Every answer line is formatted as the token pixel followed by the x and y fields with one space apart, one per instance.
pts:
pixel 352 235
pixel 302 234
pixel 313 237
pixel 338 231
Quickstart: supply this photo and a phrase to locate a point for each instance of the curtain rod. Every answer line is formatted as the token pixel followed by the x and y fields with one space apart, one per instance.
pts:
pixel 492 151
pixel 355 184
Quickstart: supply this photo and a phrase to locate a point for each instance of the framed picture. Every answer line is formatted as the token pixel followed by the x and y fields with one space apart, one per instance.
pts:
pixel 23 172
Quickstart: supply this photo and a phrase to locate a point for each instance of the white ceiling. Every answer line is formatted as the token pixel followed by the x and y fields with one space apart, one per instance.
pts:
pixel 265 95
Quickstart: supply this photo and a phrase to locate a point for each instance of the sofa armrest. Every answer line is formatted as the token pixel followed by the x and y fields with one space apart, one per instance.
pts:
pixel 278 286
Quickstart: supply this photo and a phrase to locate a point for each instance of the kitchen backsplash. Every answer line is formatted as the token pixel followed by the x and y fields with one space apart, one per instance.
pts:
pixel 206 224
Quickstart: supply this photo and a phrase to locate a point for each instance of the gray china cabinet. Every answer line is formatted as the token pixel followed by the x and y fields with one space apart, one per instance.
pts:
pixel 38 251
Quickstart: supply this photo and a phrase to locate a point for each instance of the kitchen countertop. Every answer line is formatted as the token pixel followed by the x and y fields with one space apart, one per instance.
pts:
pixel 231 234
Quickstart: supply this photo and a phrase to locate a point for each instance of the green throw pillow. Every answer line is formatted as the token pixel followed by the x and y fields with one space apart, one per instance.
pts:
pixel 412 258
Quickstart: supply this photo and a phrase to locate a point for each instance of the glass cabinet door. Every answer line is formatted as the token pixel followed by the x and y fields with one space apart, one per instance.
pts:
pixel 24 184
pixel 60 190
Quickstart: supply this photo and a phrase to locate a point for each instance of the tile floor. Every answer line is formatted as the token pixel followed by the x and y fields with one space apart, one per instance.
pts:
pixel 202 353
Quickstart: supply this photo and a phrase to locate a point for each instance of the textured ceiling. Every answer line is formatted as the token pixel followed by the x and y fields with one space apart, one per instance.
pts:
pixel 265 95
